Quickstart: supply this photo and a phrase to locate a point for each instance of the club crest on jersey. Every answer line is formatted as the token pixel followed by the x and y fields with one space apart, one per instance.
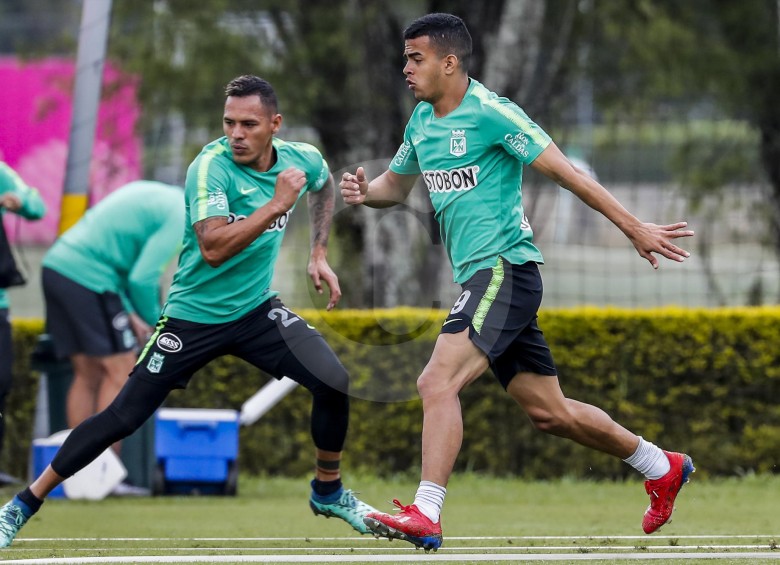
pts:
pixel 155 363
pixel 458 142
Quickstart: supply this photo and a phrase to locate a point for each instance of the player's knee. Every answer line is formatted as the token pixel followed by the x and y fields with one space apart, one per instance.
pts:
pixel 550 422
pixel 333 384
pixel 128 417
pixel 124 423
pixel 105 427
pixel 426 384
pixel 436 381
pixel 338 378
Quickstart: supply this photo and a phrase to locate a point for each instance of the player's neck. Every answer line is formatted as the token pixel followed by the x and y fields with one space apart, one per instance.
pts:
pixel 266 160
pixel 452 97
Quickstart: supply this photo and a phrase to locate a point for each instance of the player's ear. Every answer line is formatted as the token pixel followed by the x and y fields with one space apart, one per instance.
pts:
pixel 276 123
pixel 451 64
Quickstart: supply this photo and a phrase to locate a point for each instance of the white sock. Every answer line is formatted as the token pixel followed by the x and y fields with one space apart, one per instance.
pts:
pixel 649 460
pixel 429 500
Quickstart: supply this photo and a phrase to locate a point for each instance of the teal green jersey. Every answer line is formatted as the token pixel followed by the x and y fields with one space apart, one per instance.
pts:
pixel 472 163
pixel 217 186
pixel 123 245
pixel 33 207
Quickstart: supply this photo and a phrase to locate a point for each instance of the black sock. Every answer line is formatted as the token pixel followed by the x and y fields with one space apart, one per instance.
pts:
pixel 32 501
pixel 325 488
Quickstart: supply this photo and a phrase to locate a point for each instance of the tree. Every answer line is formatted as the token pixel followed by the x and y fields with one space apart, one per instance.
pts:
pixel 660 54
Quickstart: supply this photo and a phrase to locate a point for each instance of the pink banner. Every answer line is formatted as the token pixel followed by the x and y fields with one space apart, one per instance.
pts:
pixel 35 115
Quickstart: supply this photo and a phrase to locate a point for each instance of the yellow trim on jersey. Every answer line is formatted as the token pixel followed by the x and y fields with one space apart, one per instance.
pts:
pixel 203 175
pixel 301 146
pixel 514 115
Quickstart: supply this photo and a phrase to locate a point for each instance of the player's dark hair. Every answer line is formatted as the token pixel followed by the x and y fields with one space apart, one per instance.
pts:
pixel 448 34
pixel 249 85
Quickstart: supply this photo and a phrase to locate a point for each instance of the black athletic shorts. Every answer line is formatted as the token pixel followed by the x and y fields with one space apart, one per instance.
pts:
pixel 80 320
pixel 499 307
pixel 264 337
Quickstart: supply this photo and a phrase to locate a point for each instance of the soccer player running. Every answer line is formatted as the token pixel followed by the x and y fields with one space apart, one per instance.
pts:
pixel 23 200
pixel 470 146
pixel 239 194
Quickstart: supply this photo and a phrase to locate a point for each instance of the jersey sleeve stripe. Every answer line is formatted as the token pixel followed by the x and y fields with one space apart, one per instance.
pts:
pixel 203 176
pixel 303 147
pixel 515 115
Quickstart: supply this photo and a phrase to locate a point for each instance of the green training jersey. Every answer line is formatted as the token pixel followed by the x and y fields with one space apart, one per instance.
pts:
pixel 217 186
pixel 123 244
pixel 472 163
pixel 33 207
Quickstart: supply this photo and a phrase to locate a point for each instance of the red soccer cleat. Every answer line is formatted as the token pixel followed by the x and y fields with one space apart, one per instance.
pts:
pixel 409 525
pixel 663 491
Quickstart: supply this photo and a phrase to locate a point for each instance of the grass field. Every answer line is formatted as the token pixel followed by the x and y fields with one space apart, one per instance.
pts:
pixel 486 520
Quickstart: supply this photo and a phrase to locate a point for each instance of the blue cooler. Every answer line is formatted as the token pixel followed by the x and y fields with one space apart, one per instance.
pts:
pixel 44 451
pixel 94 482
pixel 196 451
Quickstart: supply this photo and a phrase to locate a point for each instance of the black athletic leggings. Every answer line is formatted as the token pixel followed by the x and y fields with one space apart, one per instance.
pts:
pixel 134 404
pixel 140 398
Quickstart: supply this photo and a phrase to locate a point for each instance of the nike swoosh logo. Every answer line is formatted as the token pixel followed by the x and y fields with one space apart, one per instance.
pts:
pixel 247 190
pixel 450 321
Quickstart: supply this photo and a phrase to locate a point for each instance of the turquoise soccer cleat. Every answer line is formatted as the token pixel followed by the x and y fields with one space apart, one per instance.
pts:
pixel 11 521
pixel 348 507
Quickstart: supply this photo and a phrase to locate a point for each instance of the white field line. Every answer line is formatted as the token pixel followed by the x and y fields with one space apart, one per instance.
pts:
pixel 403 554
pixel 406 547
pixel 449 538
pixel 419 557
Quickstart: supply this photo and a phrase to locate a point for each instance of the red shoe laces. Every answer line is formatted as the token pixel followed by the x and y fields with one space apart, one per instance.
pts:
pixel 401 506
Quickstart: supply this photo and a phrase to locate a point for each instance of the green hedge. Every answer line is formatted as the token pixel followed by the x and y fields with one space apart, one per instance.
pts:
pixel 703 381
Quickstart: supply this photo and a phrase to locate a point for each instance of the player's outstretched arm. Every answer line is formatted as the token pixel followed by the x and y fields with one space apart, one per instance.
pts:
pixel 321 205
pixel 647 238
pixel 388 189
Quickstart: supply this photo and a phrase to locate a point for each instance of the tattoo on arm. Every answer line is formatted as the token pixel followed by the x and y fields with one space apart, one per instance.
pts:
pixel 203 226
pixel 200 228
pixel 321 205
